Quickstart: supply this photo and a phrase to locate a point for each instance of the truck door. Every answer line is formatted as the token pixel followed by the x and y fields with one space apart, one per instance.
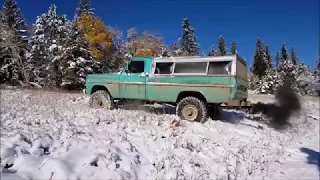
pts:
pixel 133 80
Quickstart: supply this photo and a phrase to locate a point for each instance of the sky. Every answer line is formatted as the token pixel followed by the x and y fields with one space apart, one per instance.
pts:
pixel 293 22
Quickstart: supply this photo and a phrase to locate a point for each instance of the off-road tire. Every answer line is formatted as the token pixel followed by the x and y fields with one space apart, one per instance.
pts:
pixel 101 99
pixel 199 105
pixel 215 112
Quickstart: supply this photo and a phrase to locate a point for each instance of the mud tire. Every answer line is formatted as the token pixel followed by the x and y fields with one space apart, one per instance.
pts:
pixel 101 99
pixel 195 104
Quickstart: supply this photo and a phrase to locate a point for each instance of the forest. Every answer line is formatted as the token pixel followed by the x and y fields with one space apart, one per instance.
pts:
pixel 58 52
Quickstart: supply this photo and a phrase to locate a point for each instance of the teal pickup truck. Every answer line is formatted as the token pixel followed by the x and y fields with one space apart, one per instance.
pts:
pixel 197 86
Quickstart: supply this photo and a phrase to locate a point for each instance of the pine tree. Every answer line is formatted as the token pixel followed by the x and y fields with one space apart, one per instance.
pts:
pixel 188 41
pixel 48 43
pixel 294 58
pixel 284 54
pixel 317 71
pixel 268 57
pixel 84 6
pixel 77 59
pixel 233 48
pixel 211 51
pixel 287 69
pixel 222 50
pixel 12 70
pixel 14 18
pixel 175 50
pixel 259 65
pixel 277 59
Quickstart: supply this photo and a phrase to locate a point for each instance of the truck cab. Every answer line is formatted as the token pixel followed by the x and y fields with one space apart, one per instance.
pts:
pixel 192 84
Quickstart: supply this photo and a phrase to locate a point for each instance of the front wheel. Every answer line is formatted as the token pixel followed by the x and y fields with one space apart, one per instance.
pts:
pixel 101 99
pixel 192 109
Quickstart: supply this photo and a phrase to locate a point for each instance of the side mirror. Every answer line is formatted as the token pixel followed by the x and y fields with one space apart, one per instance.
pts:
pixel 127 71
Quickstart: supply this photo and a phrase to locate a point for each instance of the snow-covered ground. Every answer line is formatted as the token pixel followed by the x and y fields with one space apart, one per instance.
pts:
pixel 47 135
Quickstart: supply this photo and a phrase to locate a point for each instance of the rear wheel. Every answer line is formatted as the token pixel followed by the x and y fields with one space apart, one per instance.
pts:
pixel 101 99
pixel 192 109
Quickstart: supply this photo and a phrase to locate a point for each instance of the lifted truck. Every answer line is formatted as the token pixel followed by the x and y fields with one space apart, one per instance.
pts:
pixel 197 86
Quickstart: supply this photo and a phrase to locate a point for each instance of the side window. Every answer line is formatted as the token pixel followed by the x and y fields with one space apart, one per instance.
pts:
pixel 136 67
pixel 163 68
pixel 219 67
pixel 190 67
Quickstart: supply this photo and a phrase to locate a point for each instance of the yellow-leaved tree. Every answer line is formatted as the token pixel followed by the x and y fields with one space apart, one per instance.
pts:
pixel 144 44
pixel 149 44
pixel 96 34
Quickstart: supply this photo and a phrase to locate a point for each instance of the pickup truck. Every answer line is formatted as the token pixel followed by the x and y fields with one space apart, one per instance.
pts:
pixel 196 85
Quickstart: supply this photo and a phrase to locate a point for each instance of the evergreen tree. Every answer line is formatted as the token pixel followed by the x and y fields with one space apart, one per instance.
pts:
pixel 175 50
pixel 48 43
pixel 259 65
pixel 294 58
pixel 284 54
pixel 277 59
pixel 268 57
pixel 233 48
pixel 317 71
pixel 84 6
pixel 77 59
pixel 211 51
pixel 188 40
pixel 12 69
pixel 13 17
pixel 221 50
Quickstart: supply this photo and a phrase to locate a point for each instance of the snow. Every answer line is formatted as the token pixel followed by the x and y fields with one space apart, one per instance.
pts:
pixel 53 135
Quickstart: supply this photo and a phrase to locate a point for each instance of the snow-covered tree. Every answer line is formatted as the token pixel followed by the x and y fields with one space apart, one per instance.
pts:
pixel 293 56
pixel 211 51
pixel 77 59
pixel 317 70
pixel 117 38
pixel 84 6
pixel 14 19
pixel 277 59
pixel 119 49
pixel 298 76
pixel 12 70
pixel 50 36
pixel 284 54
pixel 144 44
pixel 175 50
pixel 222 49
pixel 268 83
pixel 268 57
pixel 306 81
pixel 149 44
pixel 11 66
pixel 259 65
pixel 188 41
pixel 233 48
pixel 131 41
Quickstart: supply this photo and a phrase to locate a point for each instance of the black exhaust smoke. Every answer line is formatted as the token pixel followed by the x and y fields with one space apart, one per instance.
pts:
pixel 279 113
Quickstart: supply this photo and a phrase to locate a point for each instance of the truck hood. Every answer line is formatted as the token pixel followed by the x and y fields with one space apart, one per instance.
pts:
pixel 101 78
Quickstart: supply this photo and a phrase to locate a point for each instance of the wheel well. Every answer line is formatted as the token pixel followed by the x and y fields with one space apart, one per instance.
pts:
pixel 191 93
pixel 97 88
